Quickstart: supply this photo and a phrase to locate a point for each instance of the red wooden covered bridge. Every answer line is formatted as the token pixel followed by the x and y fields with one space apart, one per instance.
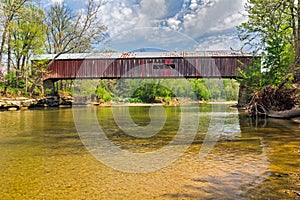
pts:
pixel 204 64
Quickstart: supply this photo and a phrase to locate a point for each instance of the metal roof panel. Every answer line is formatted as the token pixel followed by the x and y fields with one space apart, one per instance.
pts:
pixel 129 55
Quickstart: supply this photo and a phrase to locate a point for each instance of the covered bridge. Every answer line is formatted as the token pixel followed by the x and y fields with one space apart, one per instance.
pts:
pixel 202 64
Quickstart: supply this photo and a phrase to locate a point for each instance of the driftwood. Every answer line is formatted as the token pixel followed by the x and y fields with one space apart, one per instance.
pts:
pixel 287 114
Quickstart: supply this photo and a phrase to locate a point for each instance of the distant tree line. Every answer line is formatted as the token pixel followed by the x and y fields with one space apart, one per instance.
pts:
pixel 149 90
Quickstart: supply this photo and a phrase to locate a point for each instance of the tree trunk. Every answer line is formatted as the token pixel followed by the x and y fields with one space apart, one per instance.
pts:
pixel 297 39
pixel 287 114
pixel 9 51
pixel 3 43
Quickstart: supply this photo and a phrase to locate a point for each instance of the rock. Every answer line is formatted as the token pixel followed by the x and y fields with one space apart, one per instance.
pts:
pixel 27 103
pixel 12 109
pixel 66 100
pixel 108 103
pixel 51 101
pixel 13 103
pixel 24 108
pixel 175 102
pixel 21 98
pixel 296 119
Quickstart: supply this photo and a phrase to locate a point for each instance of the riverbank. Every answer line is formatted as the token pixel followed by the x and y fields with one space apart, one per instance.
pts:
pixel 24 103
pixel 232 103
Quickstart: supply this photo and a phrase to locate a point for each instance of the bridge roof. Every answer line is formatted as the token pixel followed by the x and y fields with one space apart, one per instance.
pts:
pixel 80 56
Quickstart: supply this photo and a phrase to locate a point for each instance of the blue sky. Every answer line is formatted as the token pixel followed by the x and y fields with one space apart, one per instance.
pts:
pixel 171 25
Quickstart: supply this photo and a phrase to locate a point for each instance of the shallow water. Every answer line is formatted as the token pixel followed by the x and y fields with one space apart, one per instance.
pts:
pixel 58 154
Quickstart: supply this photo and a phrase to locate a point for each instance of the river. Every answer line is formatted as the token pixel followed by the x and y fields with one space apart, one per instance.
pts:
pixel 189 152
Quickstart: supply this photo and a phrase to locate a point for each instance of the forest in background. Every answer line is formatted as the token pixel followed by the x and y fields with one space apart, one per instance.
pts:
pixel 150 90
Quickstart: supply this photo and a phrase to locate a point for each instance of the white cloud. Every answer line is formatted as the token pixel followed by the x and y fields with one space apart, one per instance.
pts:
pixel 118 16
pixel 209 17
pixel 151 37
pixel 194 4
pixel 219 42
pixel 230 21
pixel 57 1
pixel 126 21
pixel 173 23
pixel 153 9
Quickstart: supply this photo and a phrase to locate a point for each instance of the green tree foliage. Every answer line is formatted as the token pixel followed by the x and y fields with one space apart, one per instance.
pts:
pixel 22 36
pixel 149 92
pixel 102 93
pixel 27 38
pixel 231 89
pixel 9 11
pixel 272 30
pixel 252 76
pixel 103 90
pixel 85 87
pixel 202 89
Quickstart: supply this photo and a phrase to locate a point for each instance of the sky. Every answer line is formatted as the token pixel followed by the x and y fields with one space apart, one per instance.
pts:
pixel 168 25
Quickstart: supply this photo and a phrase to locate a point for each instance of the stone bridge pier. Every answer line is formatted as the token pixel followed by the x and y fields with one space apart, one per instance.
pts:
pixel 48 86
pixel 244 96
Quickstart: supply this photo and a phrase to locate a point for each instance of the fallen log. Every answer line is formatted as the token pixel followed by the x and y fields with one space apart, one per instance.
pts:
pixel 287 114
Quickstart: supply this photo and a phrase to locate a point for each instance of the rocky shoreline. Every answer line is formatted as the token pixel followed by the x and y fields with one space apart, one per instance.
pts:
pixel 24 103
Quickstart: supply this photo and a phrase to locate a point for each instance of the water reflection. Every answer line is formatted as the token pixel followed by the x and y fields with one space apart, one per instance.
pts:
pixel 42 157
pixel 237 164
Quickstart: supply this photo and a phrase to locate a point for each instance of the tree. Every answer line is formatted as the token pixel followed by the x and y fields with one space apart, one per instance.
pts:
pixel 273 29
pixel 70 33
pixel 9 9
pixel 73 32
pixel 201 89
pixel 28 38
pixel 103 90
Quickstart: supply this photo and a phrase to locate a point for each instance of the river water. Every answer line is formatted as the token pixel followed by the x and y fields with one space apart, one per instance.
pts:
pixel 191 152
